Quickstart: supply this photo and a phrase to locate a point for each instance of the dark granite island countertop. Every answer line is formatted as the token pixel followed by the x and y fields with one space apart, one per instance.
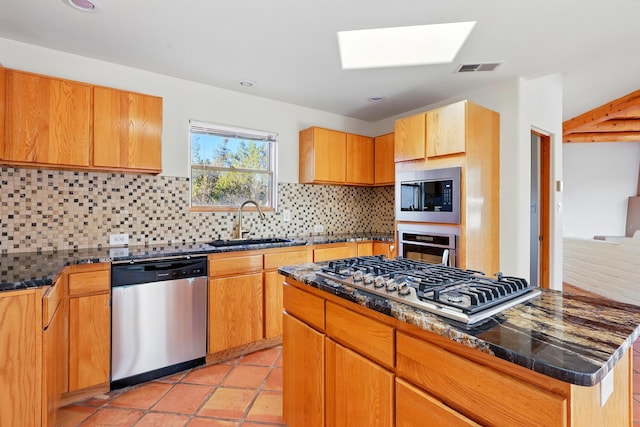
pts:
pixel 571 338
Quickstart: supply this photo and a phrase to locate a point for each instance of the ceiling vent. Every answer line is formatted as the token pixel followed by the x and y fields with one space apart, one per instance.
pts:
pixel 469 68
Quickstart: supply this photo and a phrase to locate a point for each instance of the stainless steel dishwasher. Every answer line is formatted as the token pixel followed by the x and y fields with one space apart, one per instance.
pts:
pixel 158 318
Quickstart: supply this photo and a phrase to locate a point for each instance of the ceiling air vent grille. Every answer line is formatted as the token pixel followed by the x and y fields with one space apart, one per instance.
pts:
pixel 469 68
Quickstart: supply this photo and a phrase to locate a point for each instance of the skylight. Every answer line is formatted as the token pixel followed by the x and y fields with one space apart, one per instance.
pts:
pixel 402 46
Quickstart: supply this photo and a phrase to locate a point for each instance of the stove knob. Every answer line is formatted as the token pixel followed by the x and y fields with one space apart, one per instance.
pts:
pixel 357 276
pixel 404 289
pixel 379 282
pixel 368 279
pixel 391 285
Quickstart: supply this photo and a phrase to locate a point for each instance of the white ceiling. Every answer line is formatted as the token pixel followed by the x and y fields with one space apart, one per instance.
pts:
pixel 289 47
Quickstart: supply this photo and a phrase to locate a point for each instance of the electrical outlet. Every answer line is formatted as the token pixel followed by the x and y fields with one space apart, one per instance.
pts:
pixel 286 215
pixel 118 239
pixel 318 228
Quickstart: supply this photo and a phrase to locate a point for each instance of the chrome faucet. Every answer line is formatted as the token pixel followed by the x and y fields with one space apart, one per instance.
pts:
pixel 241 231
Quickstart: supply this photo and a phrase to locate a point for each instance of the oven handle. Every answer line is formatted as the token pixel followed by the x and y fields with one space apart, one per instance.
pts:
pixel 433 245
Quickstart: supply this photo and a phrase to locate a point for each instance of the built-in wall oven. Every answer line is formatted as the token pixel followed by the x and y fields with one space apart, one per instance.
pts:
pixel 427 243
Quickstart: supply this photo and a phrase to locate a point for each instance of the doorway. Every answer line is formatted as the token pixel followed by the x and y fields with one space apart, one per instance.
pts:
pixel 540 208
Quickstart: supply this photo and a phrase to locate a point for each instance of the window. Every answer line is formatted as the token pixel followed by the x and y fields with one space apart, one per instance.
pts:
pixel 230 165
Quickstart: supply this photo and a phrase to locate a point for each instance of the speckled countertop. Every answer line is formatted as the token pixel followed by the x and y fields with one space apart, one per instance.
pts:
pixel 35 269
pixel 572 338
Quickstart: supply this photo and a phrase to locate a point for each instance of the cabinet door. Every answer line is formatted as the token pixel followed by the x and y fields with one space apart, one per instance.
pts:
pixel 365 248
pixel 383 248
pixel 273 282
pixel 235 311
pixel 48 120
pixel 54 363
pixel 127 130
pixel 446 130
pixel 384 165
pixel 410 138
pixel 89 341
pixel 355 385
pixel 323 156
pixel 303 379
pixel 360 155
pixel 20 333
pixel 415 408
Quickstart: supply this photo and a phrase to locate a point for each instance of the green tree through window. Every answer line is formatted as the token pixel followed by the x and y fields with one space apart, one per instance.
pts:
pixel 231 165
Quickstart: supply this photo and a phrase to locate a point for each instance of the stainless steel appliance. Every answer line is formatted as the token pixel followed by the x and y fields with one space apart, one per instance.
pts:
pixel 158 319
pixel 465 296
pixel 432 244
pixel 431 195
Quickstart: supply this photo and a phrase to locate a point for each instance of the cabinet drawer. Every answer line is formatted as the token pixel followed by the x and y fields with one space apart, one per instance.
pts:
pixel 335 252
pixel 477 391
pixel 306 307
pixel 364 335
pixel 279 259
pixel 415 408
pixel 89 281
pixel 239 264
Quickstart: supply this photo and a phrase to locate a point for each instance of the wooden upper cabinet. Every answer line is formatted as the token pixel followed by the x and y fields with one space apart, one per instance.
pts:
pixel 48 120
pixel 127 130
pixel 322 156
pixel 446 129
pixel 410 138
pixel 3 103
pixel 360 155
pixel 384 164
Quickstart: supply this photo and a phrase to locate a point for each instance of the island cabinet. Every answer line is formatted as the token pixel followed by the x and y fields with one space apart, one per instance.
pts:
pixel 345 362
pixel 127 130
pixel 48 121
pixel 20 352
pixel 89 329
pixel 384 164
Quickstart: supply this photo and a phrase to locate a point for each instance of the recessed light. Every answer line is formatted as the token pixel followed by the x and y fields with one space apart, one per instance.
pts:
pixel 376 99
pixel 402 46
pixel 85 5
pixel 247 83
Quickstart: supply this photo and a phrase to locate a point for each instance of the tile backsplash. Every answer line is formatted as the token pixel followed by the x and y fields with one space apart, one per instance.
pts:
pixel 44 210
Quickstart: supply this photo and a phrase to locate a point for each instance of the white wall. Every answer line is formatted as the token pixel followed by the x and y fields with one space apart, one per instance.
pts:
pixel 184 100
pixel 598 180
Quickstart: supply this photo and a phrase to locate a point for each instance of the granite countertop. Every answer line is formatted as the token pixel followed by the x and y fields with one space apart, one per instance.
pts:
pixel 25 270
pixel 572 338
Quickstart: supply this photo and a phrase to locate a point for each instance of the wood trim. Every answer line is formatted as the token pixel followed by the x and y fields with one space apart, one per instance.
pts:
pixel 546 186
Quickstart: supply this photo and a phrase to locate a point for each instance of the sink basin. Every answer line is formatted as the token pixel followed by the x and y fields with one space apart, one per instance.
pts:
pixel 247 242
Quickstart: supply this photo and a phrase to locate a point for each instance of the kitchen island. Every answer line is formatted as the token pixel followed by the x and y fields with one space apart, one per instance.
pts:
pixel 353 358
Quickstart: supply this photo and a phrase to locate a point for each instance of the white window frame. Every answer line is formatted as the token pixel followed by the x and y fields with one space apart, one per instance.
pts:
pixel 236 132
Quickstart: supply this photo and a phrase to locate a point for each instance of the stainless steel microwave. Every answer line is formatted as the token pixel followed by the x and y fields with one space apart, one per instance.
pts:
pixel 431 195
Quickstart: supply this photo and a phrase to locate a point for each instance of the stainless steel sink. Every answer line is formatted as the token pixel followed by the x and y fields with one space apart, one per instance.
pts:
pixel 247 242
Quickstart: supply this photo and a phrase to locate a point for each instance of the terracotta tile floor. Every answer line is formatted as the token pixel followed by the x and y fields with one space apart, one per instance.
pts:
pixel 246 391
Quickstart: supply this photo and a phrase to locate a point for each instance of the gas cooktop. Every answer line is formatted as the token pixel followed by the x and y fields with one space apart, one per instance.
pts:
pixel 466 296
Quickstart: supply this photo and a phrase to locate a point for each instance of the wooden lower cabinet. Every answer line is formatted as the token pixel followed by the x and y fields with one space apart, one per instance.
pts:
pixel 334 251
pixel 235 311
pixel 89 326
pixel 383 372
pixel 415 408
pixel 20 350
pixel 303 382
pixel 355 385
pixel 55 351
